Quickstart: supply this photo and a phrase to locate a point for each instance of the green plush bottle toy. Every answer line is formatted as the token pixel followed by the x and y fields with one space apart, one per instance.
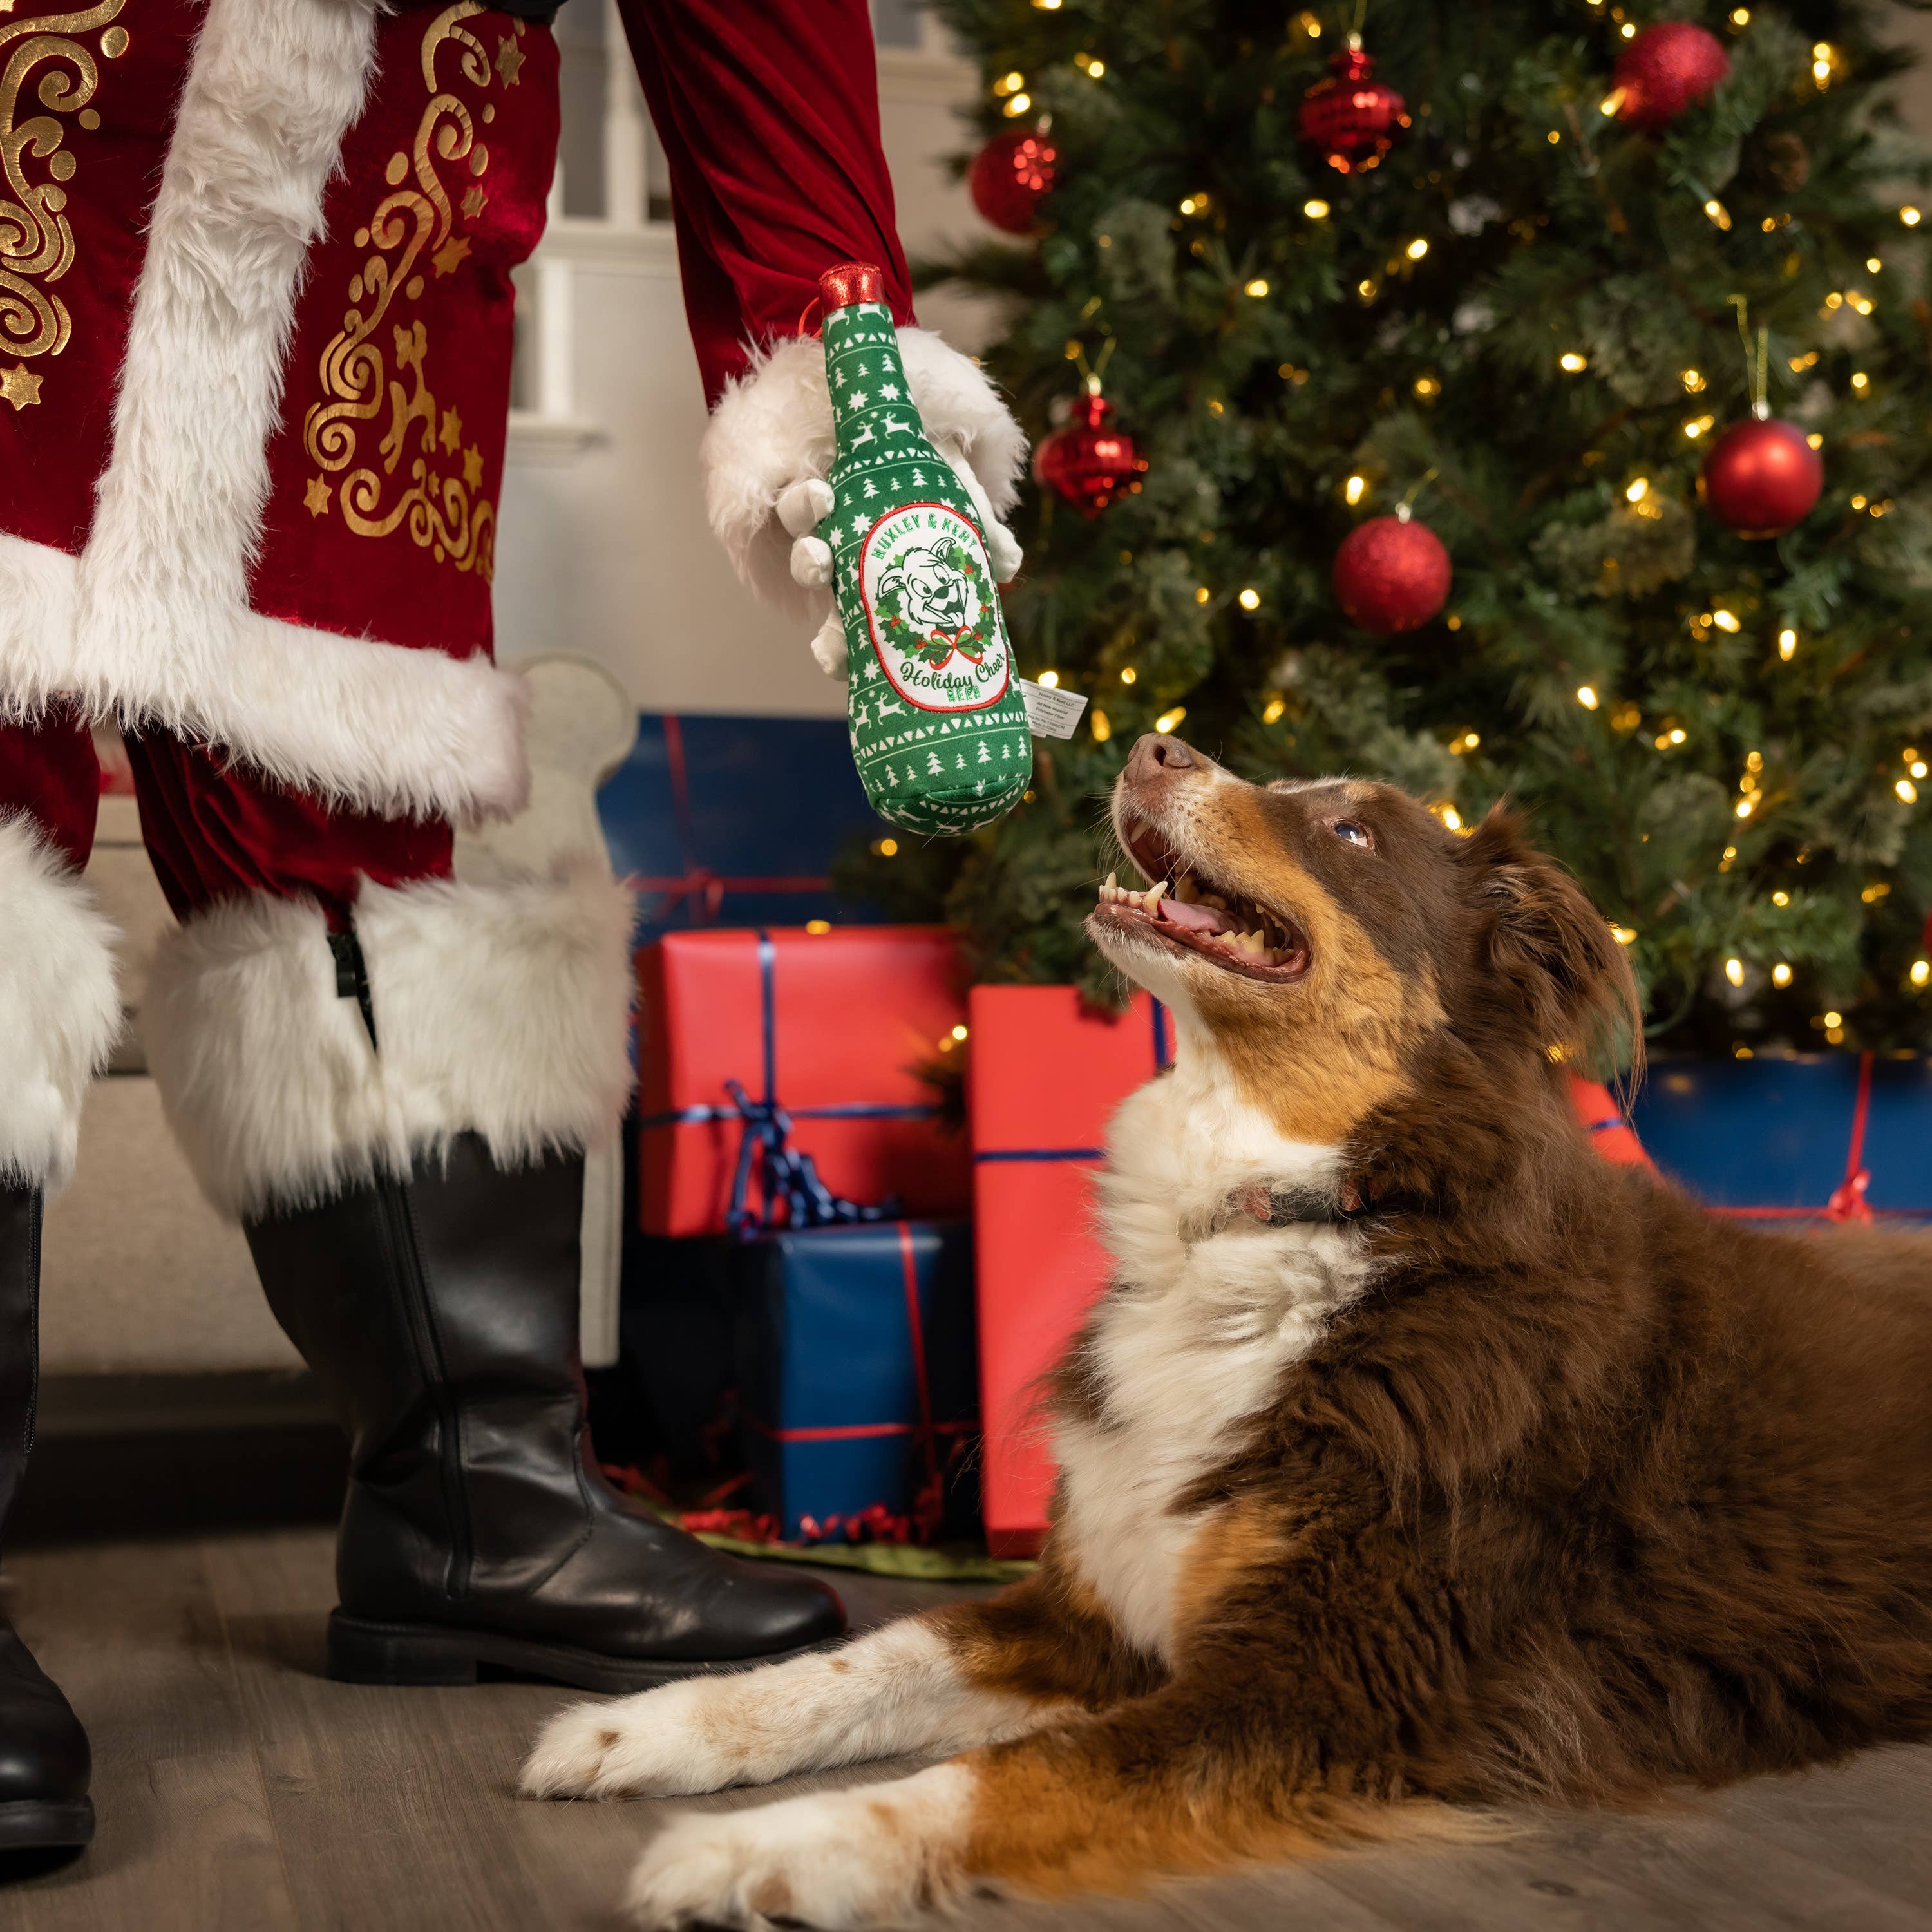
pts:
pixel 938 728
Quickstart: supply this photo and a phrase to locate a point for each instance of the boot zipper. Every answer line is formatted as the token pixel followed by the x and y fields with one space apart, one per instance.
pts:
pixel 415 1287
pixel 33 1213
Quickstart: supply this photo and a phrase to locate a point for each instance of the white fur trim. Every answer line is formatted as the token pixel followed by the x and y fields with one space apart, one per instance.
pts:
pixel 377 726
pixel 59 1012
pixel 772 427
pixel 152 625
pixel 501 1010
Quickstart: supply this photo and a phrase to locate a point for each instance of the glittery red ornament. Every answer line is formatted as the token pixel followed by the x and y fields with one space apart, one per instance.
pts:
pixel 1761 477
pixel 1392 574
pixel 1666 69
pixel 1352 118
pixel 1087 463
pixel 1011 175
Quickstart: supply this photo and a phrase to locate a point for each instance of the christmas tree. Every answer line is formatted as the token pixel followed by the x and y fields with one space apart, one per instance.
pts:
pixel 1521 307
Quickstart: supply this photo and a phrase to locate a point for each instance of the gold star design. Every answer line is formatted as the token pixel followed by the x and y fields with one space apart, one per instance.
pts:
pixel 474 203
pixel 452 430
pixel 472 467
pixel 451 252
pixel 315 499
pixel 19 385
pixel 509 60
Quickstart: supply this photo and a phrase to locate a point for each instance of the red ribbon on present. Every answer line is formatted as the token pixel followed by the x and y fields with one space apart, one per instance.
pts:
pixel 876 1523
pixel 703 888
pixel 1848 1202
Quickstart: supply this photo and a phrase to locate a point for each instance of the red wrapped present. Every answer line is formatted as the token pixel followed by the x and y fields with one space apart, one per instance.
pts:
pixel 1603 1114
pixel 1046 1075
pixel 822 1033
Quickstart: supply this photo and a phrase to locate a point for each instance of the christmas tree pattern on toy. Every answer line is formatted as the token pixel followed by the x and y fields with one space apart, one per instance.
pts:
pixel 939 730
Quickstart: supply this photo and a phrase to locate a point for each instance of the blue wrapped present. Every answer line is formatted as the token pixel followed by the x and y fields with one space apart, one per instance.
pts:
pixel 858 1380
pixel 1824 1136
pixel 734 821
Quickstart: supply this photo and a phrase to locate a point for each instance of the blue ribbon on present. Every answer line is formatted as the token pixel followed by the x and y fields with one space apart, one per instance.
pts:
pixel 1163 1058
pixel 791 1177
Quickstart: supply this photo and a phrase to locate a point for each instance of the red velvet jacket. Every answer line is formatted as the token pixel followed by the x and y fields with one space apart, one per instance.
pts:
pixel 769 120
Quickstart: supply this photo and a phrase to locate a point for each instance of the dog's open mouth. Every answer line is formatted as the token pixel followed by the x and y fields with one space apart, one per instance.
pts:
pixel 1188 908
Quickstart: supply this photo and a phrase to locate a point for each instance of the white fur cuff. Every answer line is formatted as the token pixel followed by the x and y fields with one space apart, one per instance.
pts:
pixel 59 1013
pixel 773 427
pixel 501 1010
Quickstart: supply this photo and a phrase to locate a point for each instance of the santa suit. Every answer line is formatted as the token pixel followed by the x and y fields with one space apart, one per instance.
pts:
pixel 255 348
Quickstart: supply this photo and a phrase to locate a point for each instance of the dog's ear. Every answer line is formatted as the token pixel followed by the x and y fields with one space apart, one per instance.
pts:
pixel 1550 947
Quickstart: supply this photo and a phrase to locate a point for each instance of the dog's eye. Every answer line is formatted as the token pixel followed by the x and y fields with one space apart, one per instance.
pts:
pixel 1353 834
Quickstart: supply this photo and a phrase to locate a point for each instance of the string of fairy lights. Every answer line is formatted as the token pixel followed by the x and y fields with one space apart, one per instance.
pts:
pixel 1643 497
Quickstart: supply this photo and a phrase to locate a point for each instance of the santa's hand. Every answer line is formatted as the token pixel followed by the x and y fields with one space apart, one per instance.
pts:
pixel 1003 550
pixel 829 647
pixel 770 445
pixel 803 505
pixel 812 563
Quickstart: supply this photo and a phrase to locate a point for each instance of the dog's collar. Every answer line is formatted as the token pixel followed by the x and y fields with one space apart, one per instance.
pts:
pixel 1285 1203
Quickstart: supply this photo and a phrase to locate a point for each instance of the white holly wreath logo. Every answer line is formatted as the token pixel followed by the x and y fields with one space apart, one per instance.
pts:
pixel 927 590
pixel 933 592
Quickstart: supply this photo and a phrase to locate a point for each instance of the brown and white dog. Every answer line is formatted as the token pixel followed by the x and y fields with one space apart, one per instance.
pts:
pixel 1416 1458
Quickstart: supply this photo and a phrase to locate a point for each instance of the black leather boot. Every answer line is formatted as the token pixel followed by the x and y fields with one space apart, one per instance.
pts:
pixel 44 1762
pixel 440 1316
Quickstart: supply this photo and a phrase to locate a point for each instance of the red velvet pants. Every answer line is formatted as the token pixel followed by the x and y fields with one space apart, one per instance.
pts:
pixel 212 829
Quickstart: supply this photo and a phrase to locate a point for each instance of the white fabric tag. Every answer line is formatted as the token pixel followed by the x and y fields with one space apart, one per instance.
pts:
pixel 1051 712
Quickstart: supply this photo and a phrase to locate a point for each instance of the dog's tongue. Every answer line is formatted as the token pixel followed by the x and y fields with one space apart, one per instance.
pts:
pixel 1195 918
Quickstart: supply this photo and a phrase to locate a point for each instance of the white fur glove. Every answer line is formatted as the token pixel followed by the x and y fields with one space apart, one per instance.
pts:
pixel 768 447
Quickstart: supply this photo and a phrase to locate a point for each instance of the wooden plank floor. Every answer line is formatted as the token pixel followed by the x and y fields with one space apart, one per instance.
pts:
pixel 240 1791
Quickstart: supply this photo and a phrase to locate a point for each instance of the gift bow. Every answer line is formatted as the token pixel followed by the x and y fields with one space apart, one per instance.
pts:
pixel 790 1175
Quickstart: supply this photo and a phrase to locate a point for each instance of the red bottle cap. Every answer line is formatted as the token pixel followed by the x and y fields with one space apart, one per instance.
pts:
pixel 845 283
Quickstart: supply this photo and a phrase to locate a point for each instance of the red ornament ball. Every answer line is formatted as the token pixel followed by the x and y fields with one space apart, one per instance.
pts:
pixel 1666 69
pixel 1010 176
pixel 1391 574
pixel 1761 477
pixel 1350 116
pixel 1086 463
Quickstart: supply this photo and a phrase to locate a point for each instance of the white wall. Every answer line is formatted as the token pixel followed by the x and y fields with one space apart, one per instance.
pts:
pixel 602 545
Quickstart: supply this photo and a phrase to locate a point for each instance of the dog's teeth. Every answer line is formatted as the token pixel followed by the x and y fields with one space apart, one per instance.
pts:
pixel 1113 881
pixel 1215 900
pixel 1186 891
pixel 1151 897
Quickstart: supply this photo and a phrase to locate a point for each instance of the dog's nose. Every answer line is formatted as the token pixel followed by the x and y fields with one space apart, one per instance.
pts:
pixel 1156 756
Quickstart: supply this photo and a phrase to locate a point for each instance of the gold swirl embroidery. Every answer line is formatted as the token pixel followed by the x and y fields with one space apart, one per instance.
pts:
pixel 414 228
pixel 36 238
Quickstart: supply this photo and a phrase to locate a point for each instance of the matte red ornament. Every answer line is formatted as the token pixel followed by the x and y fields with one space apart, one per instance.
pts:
pixel 1761 477
pixel 1350 116
pixel 1087 463
pixel 1391 574
pixel 1011 175
pixel 1666 69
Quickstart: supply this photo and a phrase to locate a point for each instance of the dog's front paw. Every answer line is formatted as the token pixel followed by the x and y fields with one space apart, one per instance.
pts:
pixel 877 1856
pixel 652 1745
